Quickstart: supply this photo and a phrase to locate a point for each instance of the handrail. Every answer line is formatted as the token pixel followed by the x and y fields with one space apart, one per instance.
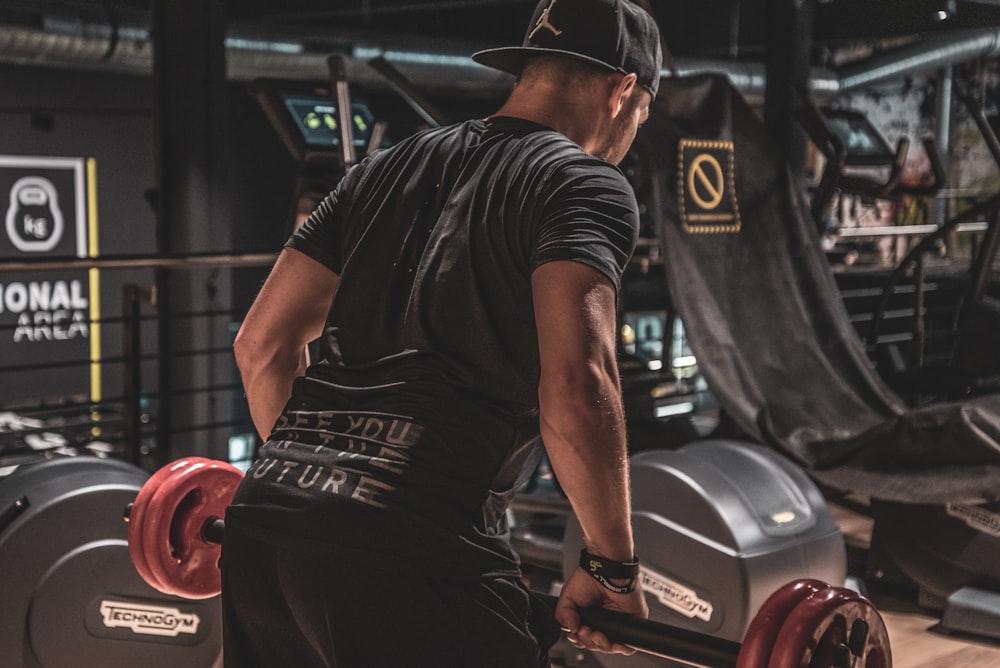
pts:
pixel 986 209
pixel 137 262
pixel 832 148
pixel 904 230
pixel 887 190
pixel 938 173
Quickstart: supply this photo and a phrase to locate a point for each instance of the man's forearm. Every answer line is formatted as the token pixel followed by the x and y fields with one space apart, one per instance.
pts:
pixel 584 435
pixel 579 397
pixel 270 347
pixel 268 387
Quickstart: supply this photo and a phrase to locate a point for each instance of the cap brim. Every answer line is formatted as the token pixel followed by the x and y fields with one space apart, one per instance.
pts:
pixel 511 58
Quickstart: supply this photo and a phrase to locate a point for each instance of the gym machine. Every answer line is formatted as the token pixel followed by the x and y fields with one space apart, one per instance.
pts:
pixel 71 596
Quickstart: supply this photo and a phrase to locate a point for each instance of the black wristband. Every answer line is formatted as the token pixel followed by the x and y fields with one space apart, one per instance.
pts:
pixel 604 570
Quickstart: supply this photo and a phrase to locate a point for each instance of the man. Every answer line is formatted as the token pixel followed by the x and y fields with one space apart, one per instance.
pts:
pixel 466 280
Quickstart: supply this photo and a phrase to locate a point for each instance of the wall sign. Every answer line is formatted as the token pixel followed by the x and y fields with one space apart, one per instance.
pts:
pixel 706 187
pixel 45 315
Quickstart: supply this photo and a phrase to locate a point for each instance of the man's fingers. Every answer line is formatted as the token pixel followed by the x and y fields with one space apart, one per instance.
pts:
pixel 567 616
pixel 622 649
pixel 595 641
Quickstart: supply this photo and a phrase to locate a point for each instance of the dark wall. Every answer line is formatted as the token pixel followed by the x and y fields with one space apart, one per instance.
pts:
pixel 75 114
pixel 107 117
pixel 48 112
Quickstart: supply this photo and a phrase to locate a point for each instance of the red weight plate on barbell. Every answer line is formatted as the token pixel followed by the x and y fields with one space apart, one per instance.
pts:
pixel 176 553
pixel 755 651
pixel 137 519
pixel 828 619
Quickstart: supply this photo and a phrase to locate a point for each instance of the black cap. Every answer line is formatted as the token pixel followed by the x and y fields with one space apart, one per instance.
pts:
pixel 615 34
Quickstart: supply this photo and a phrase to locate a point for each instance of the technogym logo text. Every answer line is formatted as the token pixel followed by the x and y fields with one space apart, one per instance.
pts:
pixel 150 620
pixel 976 518
pixel 674 595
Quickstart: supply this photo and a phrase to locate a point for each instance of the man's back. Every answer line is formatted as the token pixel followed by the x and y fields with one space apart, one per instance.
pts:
pixel 433 368
pixel 439 237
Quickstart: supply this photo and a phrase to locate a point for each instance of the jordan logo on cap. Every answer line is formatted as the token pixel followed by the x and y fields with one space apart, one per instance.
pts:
pixel 543 22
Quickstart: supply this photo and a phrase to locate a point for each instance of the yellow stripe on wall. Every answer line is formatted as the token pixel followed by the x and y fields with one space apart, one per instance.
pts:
pixel 95 284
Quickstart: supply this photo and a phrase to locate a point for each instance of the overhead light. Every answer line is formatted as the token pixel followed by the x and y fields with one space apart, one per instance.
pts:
pixel 942 15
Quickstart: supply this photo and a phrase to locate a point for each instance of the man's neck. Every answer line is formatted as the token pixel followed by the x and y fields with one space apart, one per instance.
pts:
pixel 573 116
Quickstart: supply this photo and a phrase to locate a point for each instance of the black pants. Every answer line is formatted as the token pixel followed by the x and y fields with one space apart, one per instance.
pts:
pixel 297 607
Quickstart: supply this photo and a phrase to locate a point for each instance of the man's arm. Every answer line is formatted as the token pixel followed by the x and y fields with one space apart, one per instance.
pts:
pixel 583 427
pixel 270 348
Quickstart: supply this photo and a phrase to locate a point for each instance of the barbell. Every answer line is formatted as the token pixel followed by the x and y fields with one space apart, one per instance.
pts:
pixel 175 530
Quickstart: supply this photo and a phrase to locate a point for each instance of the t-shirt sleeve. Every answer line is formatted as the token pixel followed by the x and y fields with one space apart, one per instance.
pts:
pixel 591 217
pixel 320 236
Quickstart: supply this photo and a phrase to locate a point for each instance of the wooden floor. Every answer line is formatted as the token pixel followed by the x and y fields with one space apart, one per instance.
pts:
pixel 915 644
pixel 914 635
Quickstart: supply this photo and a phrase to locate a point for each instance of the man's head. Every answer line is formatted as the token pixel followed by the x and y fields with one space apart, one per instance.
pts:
pixel 614 35
pixel 588 68
pixel 610 105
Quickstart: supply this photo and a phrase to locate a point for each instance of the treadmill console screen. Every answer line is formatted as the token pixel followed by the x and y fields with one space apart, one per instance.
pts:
pixel 318 121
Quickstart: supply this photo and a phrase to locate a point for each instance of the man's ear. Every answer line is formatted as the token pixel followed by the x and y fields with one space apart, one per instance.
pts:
pixel 621 91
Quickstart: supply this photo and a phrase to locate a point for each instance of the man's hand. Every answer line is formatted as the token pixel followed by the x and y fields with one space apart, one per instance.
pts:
pixel 581 591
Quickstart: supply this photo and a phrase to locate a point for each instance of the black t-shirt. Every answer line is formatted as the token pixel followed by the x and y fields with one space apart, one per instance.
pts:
pixel 427 402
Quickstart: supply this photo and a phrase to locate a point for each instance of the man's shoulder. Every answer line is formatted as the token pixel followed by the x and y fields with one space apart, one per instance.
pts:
pixel 460 131
pixel 431 141
pixel 548 149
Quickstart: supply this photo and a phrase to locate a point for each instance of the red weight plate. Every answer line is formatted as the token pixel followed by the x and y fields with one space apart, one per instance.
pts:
pixel 820 623
pixel 755 651
pixel 176 553
pixel 138 516
pixel 177 556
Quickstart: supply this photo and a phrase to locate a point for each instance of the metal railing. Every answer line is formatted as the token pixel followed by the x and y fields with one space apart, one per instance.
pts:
pixel 135 416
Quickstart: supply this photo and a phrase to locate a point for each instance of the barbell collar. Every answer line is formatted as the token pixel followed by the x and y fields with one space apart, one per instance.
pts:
pixel 213 530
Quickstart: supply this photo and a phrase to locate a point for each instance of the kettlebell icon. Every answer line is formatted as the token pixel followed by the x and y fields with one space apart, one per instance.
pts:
pixel 34 220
